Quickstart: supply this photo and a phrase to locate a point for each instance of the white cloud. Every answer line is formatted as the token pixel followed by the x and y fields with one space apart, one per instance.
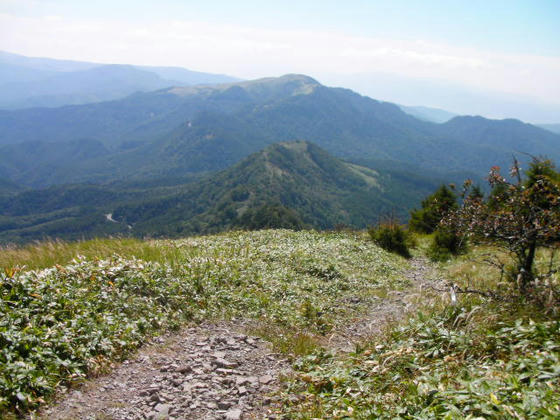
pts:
pixel 255 52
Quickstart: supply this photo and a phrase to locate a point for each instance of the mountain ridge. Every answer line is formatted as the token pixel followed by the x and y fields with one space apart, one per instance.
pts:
pixel 29 82
pixel 183 131
pixel 312 187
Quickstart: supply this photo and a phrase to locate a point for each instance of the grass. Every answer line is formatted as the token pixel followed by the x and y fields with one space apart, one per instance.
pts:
pixel 479 359
pixel 443 365
pixel 69 309
pixel 49 253
pixel 293 343
pixel 70 320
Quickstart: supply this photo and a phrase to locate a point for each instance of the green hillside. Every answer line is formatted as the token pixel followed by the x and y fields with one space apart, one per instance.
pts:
pixel 322 190
pixel 71 310
pixel 108 306
pixel 314 188
pixel 8 187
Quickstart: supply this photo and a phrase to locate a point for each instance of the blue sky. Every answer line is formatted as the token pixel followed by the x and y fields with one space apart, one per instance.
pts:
pixel 524 26
pixel 509 48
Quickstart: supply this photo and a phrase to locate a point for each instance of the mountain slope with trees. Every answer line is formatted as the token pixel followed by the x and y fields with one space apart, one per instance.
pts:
pixel 296 183
pixel 188 130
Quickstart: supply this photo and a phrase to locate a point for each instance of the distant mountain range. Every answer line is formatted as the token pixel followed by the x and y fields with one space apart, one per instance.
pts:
pixel 428 114
pixel 441 116
pixel 184 131
pixel 200 159
pixel 27 82
pixel 555 128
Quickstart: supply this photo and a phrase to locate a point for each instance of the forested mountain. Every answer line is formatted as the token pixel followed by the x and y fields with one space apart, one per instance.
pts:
pixel 189 130
pixel 8 187
pixel 152 160
pixel 298 182
pixel 27 82
pixel 322 190
pixel 36 163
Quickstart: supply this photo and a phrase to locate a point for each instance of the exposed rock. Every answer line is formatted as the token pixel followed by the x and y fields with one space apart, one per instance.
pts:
pixel 234 414
pixel 265 379
pixel 206 372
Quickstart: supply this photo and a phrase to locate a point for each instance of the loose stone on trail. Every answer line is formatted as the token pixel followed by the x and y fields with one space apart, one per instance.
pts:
pixel 206 372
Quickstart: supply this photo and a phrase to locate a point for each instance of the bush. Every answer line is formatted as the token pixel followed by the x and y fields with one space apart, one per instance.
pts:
pixel 270 216
pixel 392 237
pixel 520 217
pixel 445 244
pixel 434 208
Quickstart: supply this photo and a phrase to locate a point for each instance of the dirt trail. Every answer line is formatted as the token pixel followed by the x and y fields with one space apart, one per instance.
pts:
pixel 215 371
pixel 386 310
pixel 210 371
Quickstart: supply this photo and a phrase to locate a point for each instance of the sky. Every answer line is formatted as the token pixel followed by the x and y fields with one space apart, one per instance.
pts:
pixel 494 57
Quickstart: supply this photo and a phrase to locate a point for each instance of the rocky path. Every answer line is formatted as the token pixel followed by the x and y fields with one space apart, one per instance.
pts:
pixel 206 372
pixel 215 371
pixel 395 306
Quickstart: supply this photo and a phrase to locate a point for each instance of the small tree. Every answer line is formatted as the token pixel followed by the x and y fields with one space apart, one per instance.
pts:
pixel 445 243
pixel 519 216
pixel 270 216
pixel 434 208
pixel 391 236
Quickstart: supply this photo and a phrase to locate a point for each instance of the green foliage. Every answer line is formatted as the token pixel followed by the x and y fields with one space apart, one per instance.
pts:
pixel 452 365
pixel 391 237
pixel 65 322
pixel 519 216
pixel 270 216
pixel 434 208
pixel 445 244
pixel 541 169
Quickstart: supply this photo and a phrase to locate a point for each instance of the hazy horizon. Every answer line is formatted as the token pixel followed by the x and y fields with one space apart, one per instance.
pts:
pixel 498 60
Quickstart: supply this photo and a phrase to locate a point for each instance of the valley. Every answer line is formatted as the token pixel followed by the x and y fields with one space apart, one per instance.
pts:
pixel 193 160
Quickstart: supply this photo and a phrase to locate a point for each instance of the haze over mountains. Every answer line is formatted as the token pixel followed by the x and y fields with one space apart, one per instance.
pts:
pixel 27 82
pixel 451 97
pixel 153 159
pixel 555 128
pixel 428 114
pixel 190 130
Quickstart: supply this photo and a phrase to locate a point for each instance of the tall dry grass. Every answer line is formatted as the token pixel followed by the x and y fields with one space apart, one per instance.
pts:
pixel 44 254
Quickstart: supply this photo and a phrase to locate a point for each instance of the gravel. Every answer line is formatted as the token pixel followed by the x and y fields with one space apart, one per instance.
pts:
pixel 207 372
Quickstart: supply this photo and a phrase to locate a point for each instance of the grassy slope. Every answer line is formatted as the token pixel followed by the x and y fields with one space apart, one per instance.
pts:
pixel 479 359
pixel 71 319
pixel 476 360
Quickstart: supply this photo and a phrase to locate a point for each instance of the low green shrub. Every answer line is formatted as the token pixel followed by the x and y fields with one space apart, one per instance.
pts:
pixel 60 324
pixel 462 363
pixel 446 244
pixel 392 237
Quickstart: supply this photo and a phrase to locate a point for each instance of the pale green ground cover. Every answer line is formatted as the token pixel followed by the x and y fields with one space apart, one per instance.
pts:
pixel 440 366
pixel 479 359
pixel 61 323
